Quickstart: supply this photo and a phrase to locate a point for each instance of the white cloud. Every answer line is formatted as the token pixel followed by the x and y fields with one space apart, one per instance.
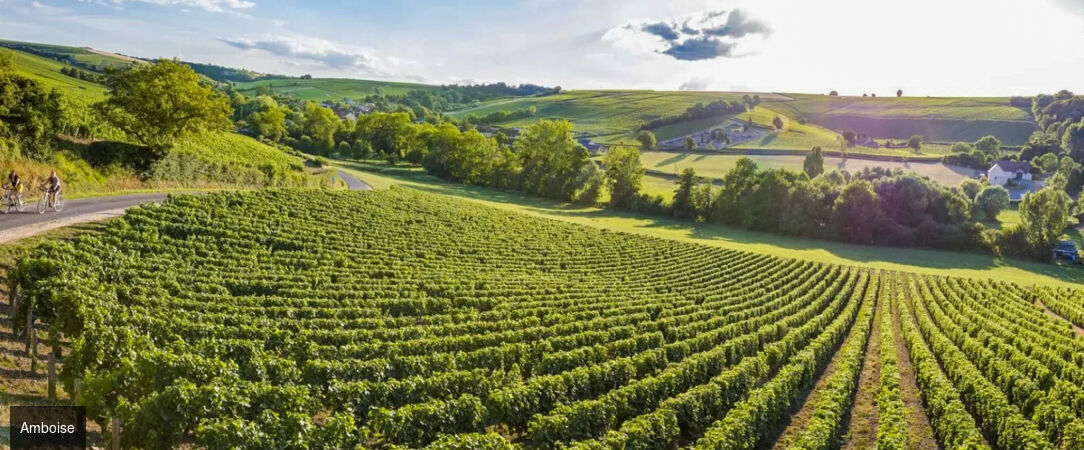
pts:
pixel 220 6
pixel 322 52
pixel 695 84
pixel 694 37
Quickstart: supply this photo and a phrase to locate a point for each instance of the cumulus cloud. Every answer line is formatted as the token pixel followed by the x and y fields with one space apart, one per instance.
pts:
pixel 698 48
pixel 738 25
pixel 695 84
pixel 324 53
pixel 661 29
pixel 222 6
pixel 707 35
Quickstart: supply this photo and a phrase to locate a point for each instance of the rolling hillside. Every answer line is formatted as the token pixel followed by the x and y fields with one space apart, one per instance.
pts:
pixel 318 89
pixel 613 116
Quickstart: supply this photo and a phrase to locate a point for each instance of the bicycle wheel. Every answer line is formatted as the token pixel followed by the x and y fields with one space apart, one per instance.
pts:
pixel 58 202
pixel 19 205
pixel 43 203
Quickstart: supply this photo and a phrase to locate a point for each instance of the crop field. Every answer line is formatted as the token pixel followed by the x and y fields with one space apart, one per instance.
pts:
pixel 717 165
pixel 602 113
pixel 81 54
pixel 320 89
pixel 244 320
pixel 47 71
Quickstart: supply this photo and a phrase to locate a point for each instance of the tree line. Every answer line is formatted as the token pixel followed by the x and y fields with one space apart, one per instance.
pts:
pixel 718 108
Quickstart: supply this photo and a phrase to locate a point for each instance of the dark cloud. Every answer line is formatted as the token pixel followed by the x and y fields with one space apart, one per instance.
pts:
pixel 706 35
pixel 661 29
pixel 737 25
pixel 700 48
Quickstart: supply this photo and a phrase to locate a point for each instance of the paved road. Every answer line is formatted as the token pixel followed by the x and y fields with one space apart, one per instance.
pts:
pixel 352 183
pixel 29 222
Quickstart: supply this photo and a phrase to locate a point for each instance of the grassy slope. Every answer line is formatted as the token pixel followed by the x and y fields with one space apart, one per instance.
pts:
pixel 47 71
pixel 319 89
pixel 613 116
pixel 972 265
pixel 600 113
pixel 221 149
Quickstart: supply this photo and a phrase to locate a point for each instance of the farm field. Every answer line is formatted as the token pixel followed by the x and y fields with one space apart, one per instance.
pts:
pixel 421 320
pixel 934 262
pixel 717 165
pixel 612 117
pixel 601 113
pixel 47 71
pixel 320 89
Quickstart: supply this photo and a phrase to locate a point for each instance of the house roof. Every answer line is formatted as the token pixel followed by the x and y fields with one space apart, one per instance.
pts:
pixel 1013 166
pixel 1066 246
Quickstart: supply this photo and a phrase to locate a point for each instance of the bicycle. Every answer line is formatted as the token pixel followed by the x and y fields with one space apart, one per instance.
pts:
pixel 44 203
pixel 12 200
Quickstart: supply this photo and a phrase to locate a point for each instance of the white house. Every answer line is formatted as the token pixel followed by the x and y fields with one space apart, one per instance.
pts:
pixel 1004 171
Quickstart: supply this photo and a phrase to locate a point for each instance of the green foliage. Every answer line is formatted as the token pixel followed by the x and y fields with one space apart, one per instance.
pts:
pixel 159 104
pixel 29 114
pixel 624 174
pixel 856 213
pixel 647 139
pixel 551 158
pixel 777 122
pixel 915 142
pixel 814 163
pixel 1043 216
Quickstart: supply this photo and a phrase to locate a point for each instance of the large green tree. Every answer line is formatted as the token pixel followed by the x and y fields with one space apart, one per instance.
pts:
pixel 551 158
pixel 814 163
pixel 683 195
pixel 320 124
pixel 158 104
pixel 1043 216
pixel 647 140
pixel 739 183
pixel 990 201
pixel 624 174
pixel 856 213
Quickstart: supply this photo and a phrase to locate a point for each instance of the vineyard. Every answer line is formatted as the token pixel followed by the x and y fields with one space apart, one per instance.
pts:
pixel 395 318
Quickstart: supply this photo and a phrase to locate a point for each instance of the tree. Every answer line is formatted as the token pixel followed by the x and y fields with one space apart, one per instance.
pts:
pixel 1048 162
pixel 1073 141
pixel 624 174
pixel 1043 216
pixel 850 137
pixel 647 139
pixel 321 124
pixel 990 202
pixel 552 160
pixel 594 181
pixel 899 92
pixel 856 213
pixel 915 142
pixel 739 183
pixel 833 94
pixel 690 143
pixel 970 187
pixel 814 163
pixel 989 145
pixel 777 122
pixel 158 104
pixel 683 196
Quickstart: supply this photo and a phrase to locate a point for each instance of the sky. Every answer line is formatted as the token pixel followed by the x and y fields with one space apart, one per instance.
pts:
pixel 924 47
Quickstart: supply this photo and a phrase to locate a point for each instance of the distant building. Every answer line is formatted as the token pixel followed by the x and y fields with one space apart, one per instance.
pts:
pixel 866 141
pixel 1002 172
pixel 1066 250
pixel 591 146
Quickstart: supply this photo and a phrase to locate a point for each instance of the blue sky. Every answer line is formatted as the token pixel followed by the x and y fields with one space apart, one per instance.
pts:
pixel 926 47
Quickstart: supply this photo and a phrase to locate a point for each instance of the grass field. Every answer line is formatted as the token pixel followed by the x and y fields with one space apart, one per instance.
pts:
pixel 319 89
pixel 936 262
pixel 47 71
pixel 83 55
pixel 717 165
pixel 613 116
pixel 606 114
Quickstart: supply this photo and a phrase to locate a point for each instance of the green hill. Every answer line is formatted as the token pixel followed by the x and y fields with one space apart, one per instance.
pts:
pixel 318 89
pixel 613 116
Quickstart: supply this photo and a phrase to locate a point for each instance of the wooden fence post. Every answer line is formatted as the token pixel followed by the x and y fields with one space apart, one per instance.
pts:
pixel 78 391
pixel 52 376
pixel 29 330
pixel 13 296
pixel 114 438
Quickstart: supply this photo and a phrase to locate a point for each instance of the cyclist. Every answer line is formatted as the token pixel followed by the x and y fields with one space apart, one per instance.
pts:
pixel 52 186
pixel 15 185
